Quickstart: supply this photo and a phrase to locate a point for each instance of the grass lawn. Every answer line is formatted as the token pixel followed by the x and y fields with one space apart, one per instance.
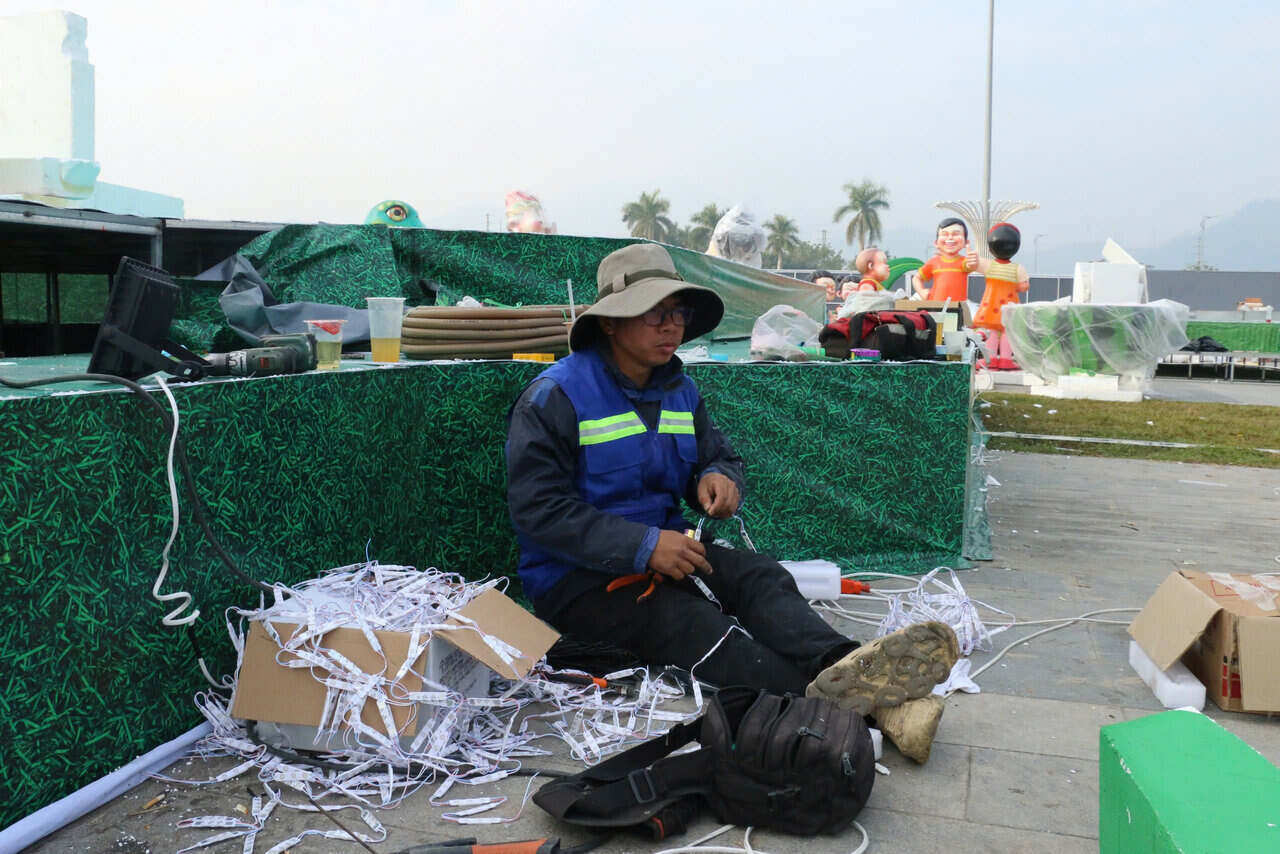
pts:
pixel 1225 434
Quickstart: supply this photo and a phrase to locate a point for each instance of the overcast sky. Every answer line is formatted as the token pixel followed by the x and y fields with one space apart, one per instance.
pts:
pixel 1129 119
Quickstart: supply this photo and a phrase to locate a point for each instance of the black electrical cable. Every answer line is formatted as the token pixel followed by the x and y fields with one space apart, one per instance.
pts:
pixel 197 507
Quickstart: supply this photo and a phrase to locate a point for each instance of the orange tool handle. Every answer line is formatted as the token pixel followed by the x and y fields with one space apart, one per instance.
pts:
pixel 849 585
pixel 529 846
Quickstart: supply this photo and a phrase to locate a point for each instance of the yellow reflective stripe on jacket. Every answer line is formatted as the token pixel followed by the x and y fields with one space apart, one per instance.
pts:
pixel 675 422
pixel 599 430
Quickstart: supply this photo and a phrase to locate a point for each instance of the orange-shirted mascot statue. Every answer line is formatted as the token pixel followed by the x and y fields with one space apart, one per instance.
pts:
pixel 946 275
pixel 1006 279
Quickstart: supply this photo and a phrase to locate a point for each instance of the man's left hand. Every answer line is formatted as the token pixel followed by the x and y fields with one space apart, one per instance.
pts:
pixel 718 495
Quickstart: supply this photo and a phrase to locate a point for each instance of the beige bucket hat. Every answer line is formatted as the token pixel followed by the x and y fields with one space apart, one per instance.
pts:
pixel 634 279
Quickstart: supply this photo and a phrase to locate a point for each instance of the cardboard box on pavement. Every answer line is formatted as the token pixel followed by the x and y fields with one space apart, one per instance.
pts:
pixel 294 698
pixel 1225 628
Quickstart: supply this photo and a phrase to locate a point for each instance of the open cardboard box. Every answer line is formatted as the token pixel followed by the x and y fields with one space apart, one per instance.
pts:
pixel 935 306
pixel 1225 628
pixel 293 699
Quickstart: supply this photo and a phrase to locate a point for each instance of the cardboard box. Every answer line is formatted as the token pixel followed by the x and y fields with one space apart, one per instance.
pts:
pixel 293 698
pixel 933 306
pixel 1225 628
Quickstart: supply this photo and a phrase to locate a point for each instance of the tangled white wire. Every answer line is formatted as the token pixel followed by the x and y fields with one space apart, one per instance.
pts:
pixel 696 847
pixel 949 604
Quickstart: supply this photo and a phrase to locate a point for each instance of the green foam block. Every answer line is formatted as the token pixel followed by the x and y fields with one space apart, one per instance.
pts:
pixel 1178 782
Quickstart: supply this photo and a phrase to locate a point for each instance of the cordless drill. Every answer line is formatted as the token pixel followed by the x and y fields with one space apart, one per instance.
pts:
pixel 291 353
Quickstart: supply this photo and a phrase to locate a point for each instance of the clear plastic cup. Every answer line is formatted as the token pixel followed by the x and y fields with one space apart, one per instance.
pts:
pixel 385 314
pixel 328 342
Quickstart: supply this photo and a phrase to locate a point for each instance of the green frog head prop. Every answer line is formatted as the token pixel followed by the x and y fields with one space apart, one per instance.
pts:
pixel 395 214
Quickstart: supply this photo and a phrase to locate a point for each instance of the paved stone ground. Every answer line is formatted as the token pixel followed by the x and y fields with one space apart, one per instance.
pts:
pixel 1240 390
pixel 1014 768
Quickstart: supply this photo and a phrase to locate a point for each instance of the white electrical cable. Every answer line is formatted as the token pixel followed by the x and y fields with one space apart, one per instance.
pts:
pixel 1061 625
pixel 182 597
pixel 696 847
pixel 175 618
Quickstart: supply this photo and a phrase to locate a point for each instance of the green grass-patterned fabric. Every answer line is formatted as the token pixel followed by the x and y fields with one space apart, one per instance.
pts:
pixel 860 463
pixel 343 264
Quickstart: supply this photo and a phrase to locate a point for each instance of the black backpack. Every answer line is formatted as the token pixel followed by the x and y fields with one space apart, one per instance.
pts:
pixel 795 764
pixel 898 335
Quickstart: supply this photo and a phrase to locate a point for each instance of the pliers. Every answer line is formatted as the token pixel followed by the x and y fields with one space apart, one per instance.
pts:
pixel 654 579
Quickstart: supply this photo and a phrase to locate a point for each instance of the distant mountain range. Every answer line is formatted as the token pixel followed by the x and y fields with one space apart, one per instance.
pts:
pixel 1245 240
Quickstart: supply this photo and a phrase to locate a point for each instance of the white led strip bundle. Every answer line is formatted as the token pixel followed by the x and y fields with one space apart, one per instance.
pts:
pixel 467 740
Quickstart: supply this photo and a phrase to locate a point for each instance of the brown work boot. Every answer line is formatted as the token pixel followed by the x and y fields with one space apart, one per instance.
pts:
pixel 912 725
pixel 890 670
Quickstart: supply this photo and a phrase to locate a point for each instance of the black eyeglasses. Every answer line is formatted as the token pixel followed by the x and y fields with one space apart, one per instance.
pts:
pixel 658 316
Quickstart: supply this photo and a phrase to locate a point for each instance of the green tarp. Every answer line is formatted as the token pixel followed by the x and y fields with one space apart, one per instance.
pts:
pixel 343 264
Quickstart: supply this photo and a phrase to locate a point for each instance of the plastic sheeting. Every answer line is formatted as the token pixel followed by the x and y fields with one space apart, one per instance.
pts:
pixel 738 237
pixel 1052 339
pixel 782 332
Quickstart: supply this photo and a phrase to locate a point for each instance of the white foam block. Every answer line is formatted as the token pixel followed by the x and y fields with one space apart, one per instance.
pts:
pixel 877 742
pixel 1175 688
pixel 1054 391
pixel 1017 378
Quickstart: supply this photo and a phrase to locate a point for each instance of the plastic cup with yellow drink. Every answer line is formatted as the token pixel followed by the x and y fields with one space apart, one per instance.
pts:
pixel 385 314
pixel 328 335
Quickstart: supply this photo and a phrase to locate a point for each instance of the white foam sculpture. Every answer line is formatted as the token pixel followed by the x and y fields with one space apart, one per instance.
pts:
pixel 47 120
pixel 1117 279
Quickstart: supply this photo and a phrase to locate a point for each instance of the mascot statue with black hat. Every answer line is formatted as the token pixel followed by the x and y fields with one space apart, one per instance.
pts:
pixel 1005 280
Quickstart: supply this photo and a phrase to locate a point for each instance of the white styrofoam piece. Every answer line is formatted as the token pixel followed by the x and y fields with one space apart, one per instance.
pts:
pixel 114 198
pixel 1131 396
pixel 817 579
pixel 1018 378
pixel 47 176
pixel 877 742
pixel 1175 688
pixel 1090 382
pixel 1104 283
pixel 47 99
pixel 47 132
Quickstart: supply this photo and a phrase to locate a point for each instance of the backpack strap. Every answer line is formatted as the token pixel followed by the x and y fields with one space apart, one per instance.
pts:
pixel 639 783
pixel 633 786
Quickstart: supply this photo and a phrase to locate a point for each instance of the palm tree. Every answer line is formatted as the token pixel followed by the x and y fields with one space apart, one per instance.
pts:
pixel 647 217
pixel 866 200
pixel 679 236
pixel 784 237
pixel 702 224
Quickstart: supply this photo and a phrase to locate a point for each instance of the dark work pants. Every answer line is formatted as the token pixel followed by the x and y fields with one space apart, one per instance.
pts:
pixel 678 625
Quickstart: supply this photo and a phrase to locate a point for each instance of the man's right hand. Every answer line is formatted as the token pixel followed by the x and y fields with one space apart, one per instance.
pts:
pixel 678 555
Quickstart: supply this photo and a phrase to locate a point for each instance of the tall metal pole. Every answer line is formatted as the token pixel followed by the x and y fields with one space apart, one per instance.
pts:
pixel 986 148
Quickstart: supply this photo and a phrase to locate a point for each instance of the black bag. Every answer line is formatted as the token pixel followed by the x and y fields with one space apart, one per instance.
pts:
pixel 795 764
pixel 898 335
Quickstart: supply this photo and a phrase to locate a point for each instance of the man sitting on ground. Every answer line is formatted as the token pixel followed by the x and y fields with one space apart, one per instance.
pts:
pixel 600 450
